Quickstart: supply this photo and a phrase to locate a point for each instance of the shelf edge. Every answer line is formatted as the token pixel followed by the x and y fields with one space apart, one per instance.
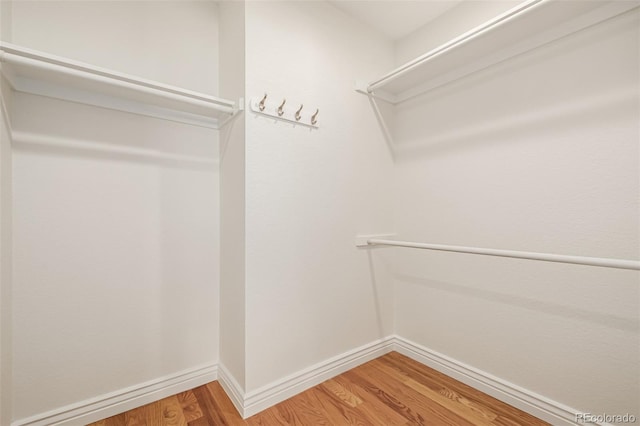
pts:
pixel 458 41
pixel 12 55
pixel 572 25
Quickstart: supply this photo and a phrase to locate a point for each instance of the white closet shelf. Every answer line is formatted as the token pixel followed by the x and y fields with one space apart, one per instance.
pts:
pixel 40 73
pixel 531 24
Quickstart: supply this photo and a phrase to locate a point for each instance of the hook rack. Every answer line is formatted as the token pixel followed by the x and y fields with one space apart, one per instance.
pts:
pixel 282 111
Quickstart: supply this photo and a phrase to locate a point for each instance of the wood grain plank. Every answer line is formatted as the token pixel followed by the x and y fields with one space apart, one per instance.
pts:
pixel 342 392
pixel 210 410
pixel 332 414
pixel 190 406
pixel 118 420
pixel 307 411
pixel 393 384
pixel 351 415
pixel 434 379
pixel 202 421
pixel 172 413
pixel 371 404
pixel 147 415
pixel 475 413
pixel 288 414
pixel 136 417
pixel 387 399
pixel 226 408
pixel 268 417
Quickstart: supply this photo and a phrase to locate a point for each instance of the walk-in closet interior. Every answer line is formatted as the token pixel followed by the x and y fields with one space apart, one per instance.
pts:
pixel 271 193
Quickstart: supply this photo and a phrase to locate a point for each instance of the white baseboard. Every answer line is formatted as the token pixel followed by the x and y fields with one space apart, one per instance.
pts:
pixel 530 402
pixel 113 403
pixel 234 391
pixel 257 400
pixel 269 395
pixel 250 403
pixel 253 402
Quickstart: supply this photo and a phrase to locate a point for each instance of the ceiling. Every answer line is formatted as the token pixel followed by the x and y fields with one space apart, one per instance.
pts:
pixel 395 18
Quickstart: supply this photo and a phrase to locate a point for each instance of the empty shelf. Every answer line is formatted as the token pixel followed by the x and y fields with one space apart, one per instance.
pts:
pixel 522 28
pixel 39 73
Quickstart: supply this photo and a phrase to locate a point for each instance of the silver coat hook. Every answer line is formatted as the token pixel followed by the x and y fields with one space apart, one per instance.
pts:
pixel 280 108
pixel 298 116
pixel 313 117
pixel 261 105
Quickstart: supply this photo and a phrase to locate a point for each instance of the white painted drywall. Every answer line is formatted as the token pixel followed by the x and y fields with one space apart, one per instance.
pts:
pixel 232 194
pixel 5 20
pixel 539 153
pixel 5 229
pixel 158 40
pixel 6 201
pixel 310 295
pixel 116 216
pixel 463 17
pixel 115 252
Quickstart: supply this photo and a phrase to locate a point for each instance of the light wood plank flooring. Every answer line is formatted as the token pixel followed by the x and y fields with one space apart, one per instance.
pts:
pixel 388 391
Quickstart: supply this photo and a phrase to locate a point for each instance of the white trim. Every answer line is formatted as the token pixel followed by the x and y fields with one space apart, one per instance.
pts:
pixel 269 395
pixel 528 401
pixel 12 53
pixel 113 403
pixel 363 240
pixel 527 26
pixel 234 391
pixel 275 392
pixel 250 403
pixel 5 109
pixel 39 73
pixel 537 405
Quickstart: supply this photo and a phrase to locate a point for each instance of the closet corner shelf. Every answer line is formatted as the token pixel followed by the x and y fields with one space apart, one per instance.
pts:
pixel 531 24
pixel 38 73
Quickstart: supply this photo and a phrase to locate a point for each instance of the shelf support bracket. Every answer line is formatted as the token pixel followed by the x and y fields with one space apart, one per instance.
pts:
pixel 363 88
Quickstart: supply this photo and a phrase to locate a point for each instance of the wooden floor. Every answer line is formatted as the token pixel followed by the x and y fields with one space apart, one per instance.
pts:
pixel 391 390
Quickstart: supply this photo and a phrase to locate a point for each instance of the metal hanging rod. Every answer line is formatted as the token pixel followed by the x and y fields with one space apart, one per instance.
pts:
pixel 547 257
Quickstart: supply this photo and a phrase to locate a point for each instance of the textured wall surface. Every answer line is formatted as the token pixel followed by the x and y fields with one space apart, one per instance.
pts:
pixel 539 153
pixel 116 224
pixel 310 294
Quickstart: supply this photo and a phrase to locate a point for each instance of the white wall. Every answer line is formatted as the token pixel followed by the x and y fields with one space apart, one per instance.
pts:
pixel 5 267
pixel 310 294
pixel 158 40
pixel 454 22
pixel 116 250
pixel 539 153
pixel 5 229
pixel 5 20
pixel 232 193
pixel 116 216
pixel 5 253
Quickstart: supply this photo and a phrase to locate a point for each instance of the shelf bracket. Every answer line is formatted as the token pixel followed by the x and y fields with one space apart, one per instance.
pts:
pixel 363 240
pixel 363 88
pixel 237 109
